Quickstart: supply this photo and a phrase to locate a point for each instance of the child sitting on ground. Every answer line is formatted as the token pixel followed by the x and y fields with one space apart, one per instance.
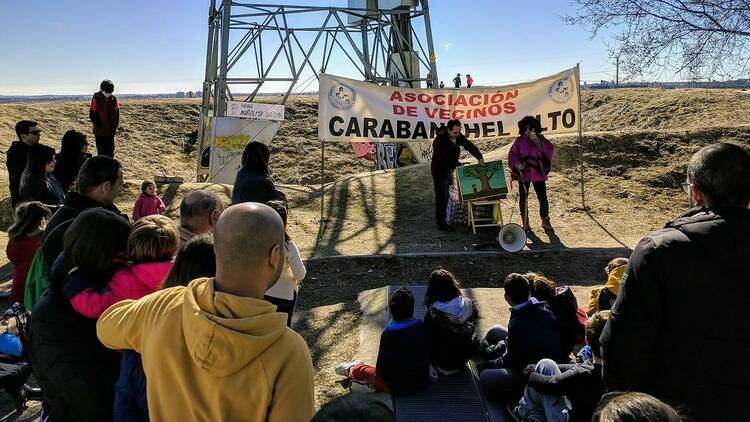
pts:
pixel 403 365
pixel 634 407
pixel 152 243
pixel 532 334
pixel 451 323
pixel 148 202
pixel 195 259
pixel 549 383
pixel 283 294
pixel 603 297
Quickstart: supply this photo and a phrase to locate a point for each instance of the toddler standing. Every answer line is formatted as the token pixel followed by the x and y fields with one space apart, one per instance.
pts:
pixel 148 202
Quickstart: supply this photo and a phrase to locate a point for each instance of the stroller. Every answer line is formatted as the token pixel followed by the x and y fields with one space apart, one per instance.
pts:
pixel 14 365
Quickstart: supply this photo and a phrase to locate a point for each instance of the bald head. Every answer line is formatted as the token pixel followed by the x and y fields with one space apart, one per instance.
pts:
pixel 249 244
pixel 200 210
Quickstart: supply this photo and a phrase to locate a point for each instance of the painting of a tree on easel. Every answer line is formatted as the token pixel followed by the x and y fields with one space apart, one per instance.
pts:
pixel 482 180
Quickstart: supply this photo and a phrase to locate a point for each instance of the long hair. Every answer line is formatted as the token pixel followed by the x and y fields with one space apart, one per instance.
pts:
pixel 72 143
pixel 36 163
pixel 96 244
pixel 442 286
pixel 27 219
pixel 542 288
pixel 255 157
pixel 195 259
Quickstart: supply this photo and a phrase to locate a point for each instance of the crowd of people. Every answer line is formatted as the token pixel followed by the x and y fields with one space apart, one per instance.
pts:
pixel 640 343
pixel 191 319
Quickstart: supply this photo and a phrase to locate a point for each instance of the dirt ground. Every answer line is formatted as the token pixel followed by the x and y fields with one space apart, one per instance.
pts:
pixel 636 146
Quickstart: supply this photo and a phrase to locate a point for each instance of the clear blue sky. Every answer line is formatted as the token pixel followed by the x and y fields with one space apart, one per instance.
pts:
pixel 148 46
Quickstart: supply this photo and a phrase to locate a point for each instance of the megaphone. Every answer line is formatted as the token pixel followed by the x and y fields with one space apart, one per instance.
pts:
pixel 512 237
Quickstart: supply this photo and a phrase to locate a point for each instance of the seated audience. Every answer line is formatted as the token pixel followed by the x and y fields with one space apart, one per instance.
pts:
pixel 283 294
pixel 148 202
pixel 76 372
pixel 633 407
pixel 231 356
pixel 73 153
pixel 28 133
pixel 38 183
pixel 354 407
pixel 152 243
pixel 199 211
pixel 195 259
pixel 253 183
pixel 685 295
pixel 403 365
pixel 24 238
pixel 451 322
pixel 564 305
pixel 603 297
pixel 549 384
pixel 532 334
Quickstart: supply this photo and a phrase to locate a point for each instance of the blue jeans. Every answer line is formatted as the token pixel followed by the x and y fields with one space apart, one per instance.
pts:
pixel 499 383
pixel 538 407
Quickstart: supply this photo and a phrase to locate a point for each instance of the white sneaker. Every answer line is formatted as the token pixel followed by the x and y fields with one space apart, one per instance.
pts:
pixel 357 386
pixel 344 367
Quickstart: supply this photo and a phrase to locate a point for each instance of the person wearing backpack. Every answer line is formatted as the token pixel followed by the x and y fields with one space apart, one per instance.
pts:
pixel 99 183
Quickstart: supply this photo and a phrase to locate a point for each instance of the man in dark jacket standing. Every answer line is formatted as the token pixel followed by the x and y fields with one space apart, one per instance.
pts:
pixel 99 183
pixel 104 113
pixel 446 149
pixel 678 328
pixel 28 133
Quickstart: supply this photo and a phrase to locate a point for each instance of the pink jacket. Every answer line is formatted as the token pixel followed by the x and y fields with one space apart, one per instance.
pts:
pixel 147 205
pixel 537 162
pixel 131 282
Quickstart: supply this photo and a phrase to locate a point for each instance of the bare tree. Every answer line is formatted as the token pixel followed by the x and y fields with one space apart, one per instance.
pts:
pixel 692 38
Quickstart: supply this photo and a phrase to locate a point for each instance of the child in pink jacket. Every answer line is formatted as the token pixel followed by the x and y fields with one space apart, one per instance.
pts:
pixel 148 202
pixel 152 243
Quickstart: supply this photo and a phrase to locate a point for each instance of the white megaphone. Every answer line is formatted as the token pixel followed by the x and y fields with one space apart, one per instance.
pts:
pixel 512 237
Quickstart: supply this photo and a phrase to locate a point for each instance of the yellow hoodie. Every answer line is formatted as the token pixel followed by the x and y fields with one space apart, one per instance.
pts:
pixel 212 356
pixel 613 285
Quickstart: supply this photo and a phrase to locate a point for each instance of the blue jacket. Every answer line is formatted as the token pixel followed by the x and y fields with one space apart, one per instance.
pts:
pixel 131 404
pixel 533 334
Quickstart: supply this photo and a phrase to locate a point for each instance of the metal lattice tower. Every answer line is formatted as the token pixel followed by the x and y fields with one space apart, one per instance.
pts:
pixel 252 45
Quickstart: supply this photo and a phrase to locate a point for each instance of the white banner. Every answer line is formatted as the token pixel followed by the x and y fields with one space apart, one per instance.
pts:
pixel 230 136
pixel 356 111
pixel 258 111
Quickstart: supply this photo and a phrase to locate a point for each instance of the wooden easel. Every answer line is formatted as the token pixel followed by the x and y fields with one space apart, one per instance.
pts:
pixel 473 222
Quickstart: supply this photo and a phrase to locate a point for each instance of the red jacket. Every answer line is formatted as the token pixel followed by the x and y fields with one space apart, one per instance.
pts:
pixel 20 252
pixel 104 114
pixel 147 205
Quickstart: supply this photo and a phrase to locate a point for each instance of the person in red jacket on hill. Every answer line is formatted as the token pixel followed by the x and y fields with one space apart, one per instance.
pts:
pixel 25 237
pixel 104 113
pixel 148 202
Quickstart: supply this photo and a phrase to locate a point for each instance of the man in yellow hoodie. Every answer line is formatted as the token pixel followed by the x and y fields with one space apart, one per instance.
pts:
pixel 215 350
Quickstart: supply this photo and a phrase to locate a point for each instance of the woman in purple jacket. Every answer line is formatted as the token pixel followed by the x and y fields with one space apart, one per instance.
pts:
pixel 530 160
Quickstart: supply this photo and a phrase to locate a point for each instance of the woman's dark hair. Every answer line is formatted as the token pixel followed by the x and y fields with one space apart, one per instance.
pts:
pixel 517 287
pixel 28 217
pixel 529 122
pixel 195 259
pixel 542 288
pixel 633 407
pixel 96 243
pixel 72 143
pixel 256 157
pixel 442 286
pixel 280 207
pixel 354 407
pixel 39 156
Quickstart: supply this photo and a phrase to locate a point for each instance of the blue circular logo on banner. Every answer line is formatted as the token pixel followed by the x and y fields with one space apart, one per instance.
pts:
pixel 561 90
pixel 342 96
